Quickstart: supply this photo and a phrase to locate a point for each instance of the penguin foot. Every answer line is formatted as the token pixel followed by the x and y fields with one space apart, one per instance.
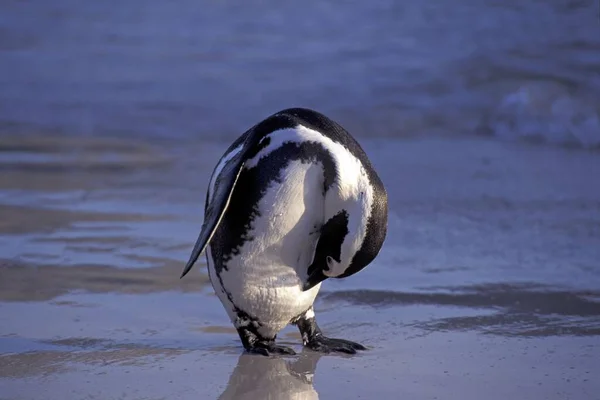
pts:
pixel 327 345
pixel 313 338
pixel 268 348
pixel 254 343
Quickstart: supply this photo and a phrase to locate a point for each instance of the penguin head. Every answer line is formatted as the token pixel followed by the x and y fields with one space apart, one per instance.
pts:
pixel 334 253
pixel 344 249
pixel 335 268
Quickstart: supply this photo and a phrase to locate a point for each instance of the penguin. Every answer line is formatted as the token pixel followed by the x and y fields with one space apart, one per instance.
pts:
pixel 293 201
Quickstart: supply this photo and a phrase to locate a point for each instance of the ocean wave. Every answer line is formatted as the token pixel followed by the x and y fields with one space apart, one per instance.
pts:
pixel 546 112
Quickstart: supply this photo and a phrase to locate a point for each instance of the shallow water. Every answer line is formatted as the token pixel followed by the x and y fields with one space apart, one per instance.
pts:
pixel 488 284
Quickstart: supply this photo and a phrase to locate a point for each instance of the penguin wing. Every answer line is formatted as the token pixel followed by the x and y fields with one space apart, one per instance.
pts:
pixel 223 189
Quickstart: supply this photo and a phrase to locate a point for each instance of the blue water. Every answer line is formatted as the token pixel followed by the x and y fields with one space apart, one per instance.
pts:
pixel 200 69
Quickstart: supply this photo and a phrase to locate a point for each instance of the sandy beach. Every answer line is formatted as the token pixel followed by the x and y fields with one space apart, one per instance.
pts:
pixel 487 286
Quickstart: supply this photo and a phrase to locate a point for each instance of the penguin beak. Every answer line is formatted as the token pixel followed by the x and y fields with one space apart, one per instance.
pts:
pixel 314 279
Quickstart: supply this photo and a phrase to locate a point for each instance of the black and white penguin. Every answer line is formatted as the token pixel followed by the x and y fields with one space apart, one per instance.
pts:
pixel 292 202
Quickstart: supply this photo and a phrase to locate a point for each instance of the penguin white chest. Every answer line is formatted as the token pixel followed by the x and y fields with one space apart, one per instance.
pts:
pixel 265 277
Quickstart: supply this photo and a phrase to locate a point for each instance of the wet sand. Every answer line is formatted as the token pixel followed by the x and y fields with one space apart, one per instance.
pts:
pixel 488 285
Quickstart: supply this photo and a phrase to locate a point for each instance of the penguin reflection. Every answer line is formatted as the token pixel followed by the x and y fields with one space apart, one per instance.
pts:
pixel 275 378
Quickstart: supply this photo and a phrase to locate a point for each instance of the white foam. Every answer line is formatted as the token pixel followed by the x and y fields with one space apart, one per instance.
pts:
pixel 547 112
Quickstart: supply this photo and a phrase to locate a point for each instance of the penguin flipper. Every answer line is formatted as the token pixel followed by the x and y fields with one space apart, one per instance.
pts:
pixel 223 189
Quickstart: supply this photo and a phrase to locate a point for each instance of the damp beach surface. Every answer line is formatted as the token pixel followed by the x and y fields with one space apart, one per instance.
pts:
pixel 487 287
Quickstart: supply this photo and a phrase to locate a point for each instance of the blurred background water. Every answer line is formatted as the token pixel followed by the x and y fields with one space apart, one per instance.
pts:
pixel 510 69
pixel 482 118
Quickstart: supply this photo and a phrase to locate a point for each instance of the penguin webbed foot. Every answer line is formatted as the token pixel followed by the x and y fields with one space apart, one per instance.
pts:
pixel 267 348
pixel 324 344
pixel 254 342
pixel 313 338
